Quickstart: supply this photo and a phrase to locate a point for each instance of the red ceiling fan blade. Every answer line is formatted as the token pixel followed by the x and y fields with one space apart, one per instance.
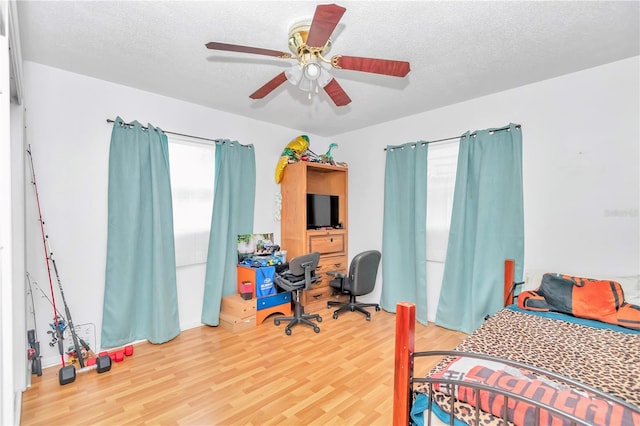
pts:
pixel 377 66
pixel 247 49
pixel 324 22
pixel 337 93
pixel 269 87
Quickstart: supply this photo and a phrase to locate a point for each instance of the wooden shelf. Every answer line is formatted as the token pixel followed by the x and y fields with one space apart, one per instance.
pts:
pixel 300 179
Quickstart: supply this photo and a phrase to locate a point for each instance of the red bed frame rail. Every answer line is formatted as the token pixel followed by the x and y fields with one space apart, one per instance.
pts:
pixel 405 346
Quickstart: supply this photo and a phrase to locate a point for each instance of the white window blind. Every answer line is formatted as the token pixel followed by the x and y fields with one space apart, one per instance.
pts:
pixel 192 167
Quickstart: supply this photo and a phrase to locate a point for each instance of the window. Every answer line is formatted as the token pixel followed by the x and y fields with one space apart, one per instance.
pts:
pixel 192 168
pixel 441 178
pixel 442 163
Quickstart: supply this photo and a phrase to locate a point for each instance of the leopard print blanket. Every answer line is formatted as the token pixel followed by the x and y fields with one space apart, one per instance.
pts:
pixel 605 359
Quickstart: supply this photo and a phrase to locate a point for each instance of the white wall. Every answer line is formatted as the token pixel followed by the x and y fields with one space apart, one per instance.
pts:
pixel 581 179
pixel 581 162
pixel 69 137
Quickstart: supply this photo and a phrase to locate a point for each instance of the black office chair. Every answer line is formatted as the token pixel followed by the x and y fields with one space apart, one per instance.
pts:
pixel 299 276
pixel 360 281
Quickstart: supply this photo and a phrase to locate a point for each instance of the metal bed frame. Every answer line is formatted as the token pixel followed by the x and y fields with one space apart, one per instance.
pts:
pixel 405 381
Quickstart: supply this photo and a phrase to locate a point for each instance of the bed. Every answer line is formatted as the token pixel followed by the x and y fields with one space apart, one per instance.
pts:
pixel 521 367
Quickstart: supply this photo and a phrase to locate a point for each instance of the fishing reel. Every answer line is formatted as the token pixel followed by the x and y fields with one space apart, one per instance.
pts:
pixel 57 334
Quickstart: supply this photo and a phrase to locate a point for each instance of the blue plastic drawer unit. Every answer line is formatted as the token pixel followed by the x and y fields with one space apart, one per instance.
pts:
pixel 273 300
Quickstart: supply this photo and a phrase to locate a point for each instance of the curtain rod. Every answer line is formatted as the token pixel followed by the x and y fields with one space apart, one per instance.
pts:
pixel 171 133
pixel 458 137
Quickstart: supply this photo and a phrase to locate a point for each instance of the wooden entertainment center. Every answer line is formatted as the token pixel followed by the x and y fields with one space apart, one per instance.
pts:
pixel 300 179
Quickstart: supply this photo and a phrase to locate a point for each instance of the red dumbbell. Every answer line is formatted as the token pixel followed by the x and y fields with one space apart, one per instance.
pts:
pixel 118 355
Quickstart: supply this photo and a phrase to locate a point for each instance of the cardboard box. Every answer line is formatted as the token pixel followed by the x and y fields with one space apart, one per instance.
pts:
pixel 236 306
pixel 235 324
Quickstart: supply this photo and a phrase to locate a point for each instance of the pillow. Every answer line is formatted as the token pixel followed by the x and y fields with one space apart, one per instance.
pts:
pixel 582 297
pixel 630 283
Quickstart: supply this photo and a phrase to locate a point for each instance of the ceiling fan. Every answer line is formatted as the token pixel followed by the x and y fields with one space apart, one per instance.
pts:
pixel 309 43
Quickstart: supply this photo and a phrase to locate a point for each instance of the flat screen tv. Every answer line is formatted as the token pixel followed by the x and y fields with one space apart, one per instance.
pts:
pixel 322 211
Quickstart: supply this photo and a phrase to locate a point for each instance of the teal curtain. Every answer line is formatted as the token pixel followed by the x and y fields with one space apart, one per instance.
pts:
pixel 404 259
pixel 233 205
pixel 487 227
pixel 140 295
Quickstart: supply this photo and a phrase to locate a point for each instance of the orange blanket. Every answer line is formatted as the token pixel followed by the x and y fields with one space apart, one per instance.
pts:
pixel 595 299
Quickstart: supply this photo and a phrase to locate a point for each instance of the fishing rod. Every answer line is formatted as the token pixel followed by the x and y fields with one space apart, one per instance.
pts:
pixel 46 256
pixel 74 335
pixel 33 353
pixel 66 376
pixel 63 326
pixel 35 284
pixel 61 319
pixel 62 322
pixel 33 305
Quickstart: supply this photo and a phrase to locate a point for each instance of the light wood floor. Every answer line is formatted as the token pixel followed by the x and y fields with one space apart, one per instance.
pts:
pixel 209 376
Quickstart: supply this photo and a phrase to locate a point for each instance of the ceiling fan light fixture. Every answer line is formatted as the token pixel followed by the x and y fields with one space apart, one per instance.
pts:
pixel 312 71
pixel 294 74
pixel 324 78
pixel 313 76
pixel 306 85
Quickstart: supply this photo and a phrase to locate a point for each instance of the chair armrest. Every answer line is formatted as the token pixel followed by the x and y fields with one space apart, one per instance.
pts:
pixel 337 274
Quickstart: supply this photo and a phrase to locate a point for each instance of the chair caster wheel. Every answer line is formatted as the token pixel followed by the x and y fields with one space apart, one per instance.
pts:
pixel 319 319
pixel 328 306
pixel 377 308
pixel 316 329
pixel 368 317
pixel 335 315
pixel 276 322
pixel 288 332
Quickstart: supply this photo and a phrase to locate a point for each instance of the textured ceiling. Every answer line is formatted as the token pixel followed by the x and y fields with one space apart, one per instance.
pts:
pixel 457 50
